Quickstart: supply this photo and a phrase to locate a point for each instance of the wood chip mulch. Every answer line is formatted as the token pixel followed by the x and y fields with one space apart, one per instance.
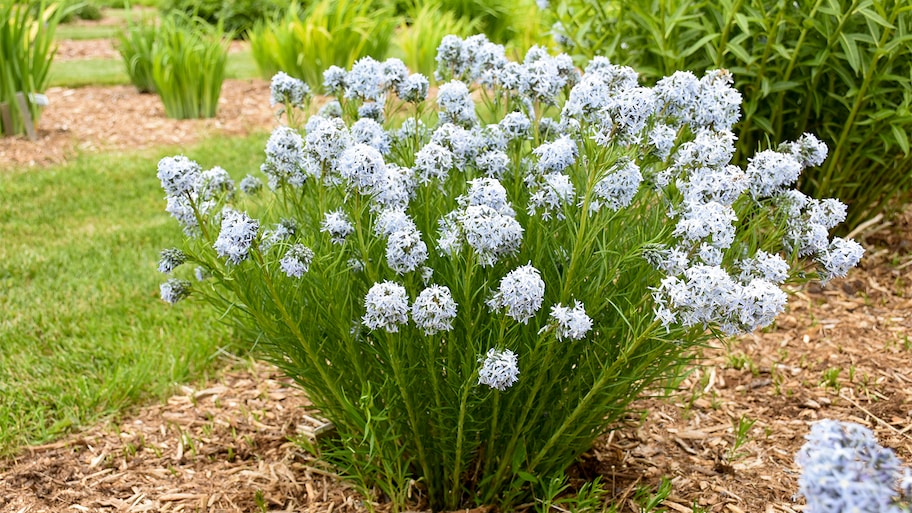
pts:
pixel 92 119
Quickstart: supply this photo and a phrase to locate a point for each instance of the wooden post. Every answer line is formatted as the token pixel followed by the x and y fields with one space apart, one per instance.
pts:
pixel 26 117
pixel 6 119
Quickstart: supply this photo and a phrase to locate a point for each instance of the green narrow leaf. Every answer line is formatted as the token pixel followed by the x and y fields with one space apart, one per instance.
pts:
pixel 902 138
pixel 850 48
pixel 876 18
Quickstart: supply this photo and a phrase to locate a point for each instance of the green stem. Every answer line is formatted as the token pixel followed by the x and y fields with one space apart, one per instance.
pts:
pixel 831 43
pixel 748 120
pixel 796 52
pixel 453 498
pixel 726 30
pixel 315 361
pixel 860 99
pixel 395 362
pixel 495 410
pixel 590 396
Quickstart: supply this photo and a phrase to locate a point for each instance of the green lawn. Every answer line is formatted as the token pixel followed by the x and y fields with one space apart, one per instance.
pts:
pixel 83 332
pixel 81 30
pixel 85 72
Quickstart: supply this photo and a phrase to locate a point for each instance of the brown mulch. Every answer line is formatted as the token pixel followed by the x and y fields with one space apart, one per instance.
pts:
pixel 224 446
pixel 77 49
pixel 74 50
pixel 91 119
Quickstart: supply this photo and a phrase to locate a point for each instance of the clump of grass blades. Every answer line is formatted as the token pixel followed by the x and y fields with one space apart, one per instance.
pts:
pixel 835 68
pixel 26 51
pixel 189 57
pixel 135 47
pixel 418 38
pixel 304 42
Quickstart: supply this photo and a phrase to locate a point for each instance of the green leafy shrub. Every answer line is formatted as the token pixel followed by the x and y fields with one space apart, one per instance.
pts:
pixel 837 68
pixel 135 47
pixel 472 305
pixel 494 17
pixel 26 51
pixel 188 66
pixel 83 10
pixel 236 16
pixel 329 32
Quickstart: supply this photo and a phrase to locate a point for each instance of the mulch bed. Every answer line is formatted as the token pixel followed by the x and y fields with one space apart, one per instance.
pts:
pixel 93 119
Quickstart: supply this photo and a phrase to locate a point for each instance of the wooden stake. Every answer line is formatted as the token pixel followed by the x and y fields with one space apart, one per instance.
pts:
pixel 26 117
pixel 6 119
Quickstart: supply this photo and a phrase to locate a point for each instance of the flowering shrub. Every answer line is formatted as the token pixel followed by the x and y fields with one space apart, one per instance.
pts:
pixel 474 296
pixel 843 469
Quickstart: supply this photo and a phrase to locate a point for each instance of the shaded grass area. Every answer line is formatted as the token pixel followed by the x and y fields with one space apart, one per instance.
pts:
pixel 84 333
pixel 102 72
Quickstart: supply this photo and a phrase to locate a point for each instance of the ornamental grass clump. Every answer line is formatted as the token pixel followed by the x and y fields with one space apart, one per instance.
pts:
pixel 26 51
pixel 188 60
pixel 472 294
pixel 135 47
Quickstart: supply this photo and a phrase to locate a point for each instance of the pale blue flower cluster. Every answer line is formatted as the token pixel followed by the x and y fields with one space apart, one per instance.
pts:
pixel 456 105
pixel 706 294
pixel 216 182
pixel 362 168
pixel 287 90
pixel 474 59
pixel 570 322
pixel 618 188
pixel 844 469
pixel 337 225
pixel 369 132
pixel 386 307
pixel 499 369
pixel 554 157
pixel 170 259
pixel 434 310
pixel 296 261
pixel 190 191
pixel 179 175
pixel 236 237
pixel 371 81
pixel 413 89
pixel 405 251
pixel 520 294
pixel 285 159
pixel 174 290
pixel 282 231
pixel 549 194
pixel 250 185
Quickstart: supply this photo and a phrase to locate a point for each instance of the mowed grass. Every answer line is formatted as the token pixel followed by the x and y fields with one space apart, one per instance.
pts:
pixel 103 72
pixel 83 332
pixel 116 20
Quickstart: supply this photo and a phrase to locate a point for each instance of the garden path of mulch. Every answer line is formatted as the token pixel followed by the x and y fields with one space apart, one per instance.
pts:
pixel 224 446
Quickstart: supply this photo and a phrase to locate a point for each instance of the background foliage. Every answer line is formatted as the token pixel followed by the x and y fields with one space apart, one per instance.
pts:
pixel 836 68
